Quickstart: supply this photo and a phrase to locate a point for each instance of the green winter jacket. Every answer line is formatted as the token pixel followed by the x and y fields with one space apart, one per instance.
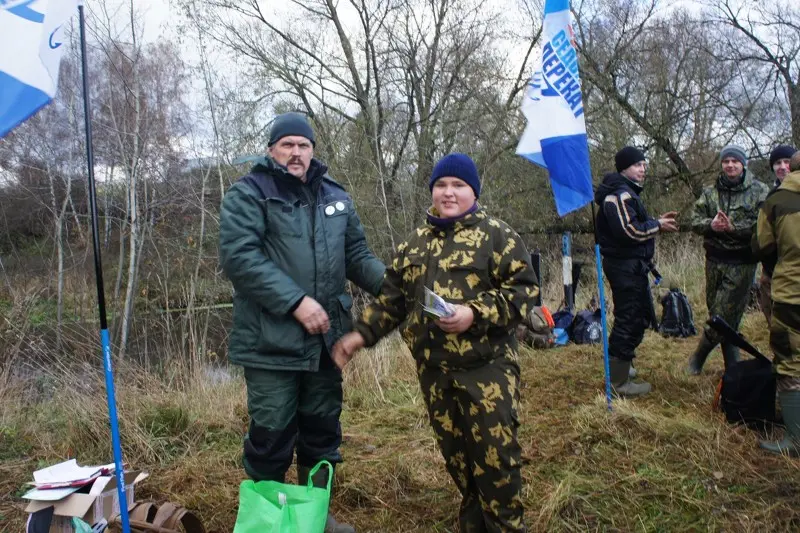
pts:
pixel 740 203
pixel 479 262
pixel 282 239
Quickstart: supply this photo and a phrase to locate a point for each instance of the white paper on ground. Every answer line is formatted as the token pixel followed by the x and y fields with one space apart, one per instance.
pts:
pixel 49 495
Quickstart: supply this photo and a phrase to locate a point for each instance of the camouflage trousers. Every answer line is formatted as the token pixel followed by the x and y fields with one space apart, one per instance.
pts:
pixel 474 415
pixel 784 340
pixel 727 293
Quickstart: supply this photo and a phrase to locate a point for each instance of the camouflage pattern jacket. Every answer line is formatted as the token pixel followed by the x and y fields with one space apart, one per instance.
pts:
pixel 779 234
pixel 740 203
pixel 478 261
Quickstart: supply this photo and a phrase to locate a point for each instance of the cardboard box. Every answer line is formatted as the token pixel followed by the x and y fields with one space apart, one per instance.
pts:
pixel 99 501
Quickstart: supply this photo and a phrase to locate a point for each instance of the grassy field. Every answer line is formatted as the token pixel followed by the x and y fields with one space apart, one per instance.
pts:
pixel 665 462
pixel 662 463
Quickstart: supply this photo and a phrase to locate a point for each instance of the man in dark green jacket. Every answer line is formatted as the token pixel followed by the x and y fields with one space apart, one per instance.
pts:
pixel 289 240
pixel 725 215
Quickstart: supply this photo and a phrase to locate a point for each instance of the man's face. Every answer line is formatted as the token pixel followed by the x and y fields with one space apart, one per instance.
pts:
pixel 781 168
pixel 732 168
pixel 635 172
pixel 293 152
pixel 452 196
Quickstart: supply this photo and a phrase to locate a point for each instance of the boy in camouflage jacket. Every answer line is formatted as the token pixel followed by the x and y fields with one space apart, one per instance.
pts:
pixel 467 363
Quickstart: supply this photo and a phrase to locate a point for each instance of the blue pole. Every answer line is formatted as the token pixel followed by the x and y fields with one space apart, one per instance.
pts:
pixel 601 291
pixel 101 299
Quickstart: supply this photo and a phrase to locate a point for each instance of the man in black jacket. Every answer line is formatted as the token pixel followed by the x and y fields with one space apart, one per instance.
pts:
pixel 626 234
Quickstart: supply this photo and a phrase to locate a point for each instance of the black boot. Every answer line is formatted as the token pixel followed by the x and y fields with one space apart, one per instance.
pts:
pixel 320 480
pixel 698 358
pixel 730 355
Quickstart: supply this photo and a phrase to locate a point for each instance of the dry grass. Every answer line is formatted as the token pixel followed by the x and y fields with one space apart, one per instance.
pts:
pixel 661 463
pixel 665 462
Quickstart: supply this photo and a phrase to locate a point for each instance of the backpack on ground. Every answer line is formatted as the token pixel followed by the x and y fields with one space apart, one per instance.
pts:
pixel 587 327
pixel 677 319
pixel 562 329
pixel 537 329
pixel 747 394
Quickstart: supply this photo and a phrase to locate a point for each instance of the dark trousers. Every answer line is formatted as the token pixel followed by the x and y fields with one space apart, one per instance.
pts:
pixel 291 409
pixel 633 305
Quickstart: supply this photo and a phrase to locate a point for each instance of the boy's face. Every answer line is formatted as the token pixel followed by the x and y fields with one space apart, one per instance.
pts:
pixel 452 196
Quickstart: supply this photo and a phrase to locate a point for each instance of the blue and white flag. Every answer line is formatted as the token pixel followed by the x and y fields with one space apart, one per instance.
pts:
pixel 30 53
pixel 555 137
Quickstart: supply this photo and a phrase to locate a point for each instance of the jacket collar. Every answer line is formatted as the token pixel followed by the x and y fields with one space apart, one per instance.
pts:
pixel 791 182
pixel 474 215
pixel 724 184
pixel 316 170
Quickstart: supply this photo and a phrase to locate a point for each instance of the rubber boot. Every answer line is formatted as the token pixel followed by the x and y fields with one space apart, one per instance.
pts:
pixel 730 355
pixel 621 384
pixel 790 445
pixel 698 358
pixel 632 373
pixel 320 480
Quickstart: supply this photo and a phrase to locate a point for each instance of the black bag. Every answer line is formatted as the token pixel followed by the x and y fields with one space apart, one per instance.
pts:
pixel 676 317
pixel 587 328
pixel 747 394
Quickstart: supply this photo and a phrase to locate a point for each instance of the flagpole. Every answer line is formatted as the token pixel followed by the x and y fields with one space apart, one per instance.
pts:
pixel 101 299
pixel 602 293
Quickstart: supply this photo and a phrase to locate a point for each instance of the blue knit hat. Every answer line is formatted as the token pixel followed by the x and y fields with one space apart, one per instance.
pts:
pixel 459 166
pixel 735 151
pixel 290 124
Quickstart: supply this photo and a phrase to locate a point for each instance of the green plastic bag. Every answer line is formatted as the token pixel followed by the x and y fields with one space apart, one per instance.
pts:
pixel 272 507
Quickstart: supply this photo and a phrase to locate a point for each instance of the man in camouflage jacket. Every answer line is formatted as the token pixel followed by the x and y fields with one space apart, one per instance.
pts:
pixel 467 363
pixel 725 215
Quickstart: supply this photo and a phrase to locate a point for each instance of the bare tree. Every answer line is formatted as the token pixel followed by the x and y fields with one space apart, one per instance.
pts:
pixel 141 102
pixel 766 37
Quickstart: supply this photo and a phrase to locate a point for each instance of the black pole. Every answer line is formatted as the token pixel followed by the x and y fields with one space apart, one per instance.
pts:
pixel 101 298
pixel 87 123
pixel 536 262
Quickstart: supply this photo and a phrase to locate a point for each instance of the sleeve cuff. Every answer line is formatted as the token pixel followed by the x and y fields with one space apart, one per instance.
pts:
pixel 295 305
pixel 369 338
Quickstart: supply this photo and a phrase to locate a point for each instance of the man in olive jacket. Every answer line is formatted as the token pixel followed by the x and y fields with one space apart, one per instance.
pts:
pixel 778 236
pixel 289 240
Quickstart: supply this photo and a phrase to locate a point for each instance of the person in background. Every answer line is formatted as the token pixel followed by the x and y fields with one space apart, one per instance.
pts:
pixel 779 163
pixel 778 235
pixel 626 234
pixel 725 215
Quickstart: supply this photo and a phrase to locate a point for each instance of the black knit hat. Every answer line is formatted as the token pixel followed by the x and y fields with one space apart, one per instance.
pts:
pixel 459 166
pixel 628 156
pixel 782 151
pixel 290 124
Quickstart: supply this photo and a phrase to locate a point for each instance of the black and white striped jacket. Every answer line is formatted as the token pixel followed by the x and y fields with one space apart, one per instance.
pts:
pixel 624 229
